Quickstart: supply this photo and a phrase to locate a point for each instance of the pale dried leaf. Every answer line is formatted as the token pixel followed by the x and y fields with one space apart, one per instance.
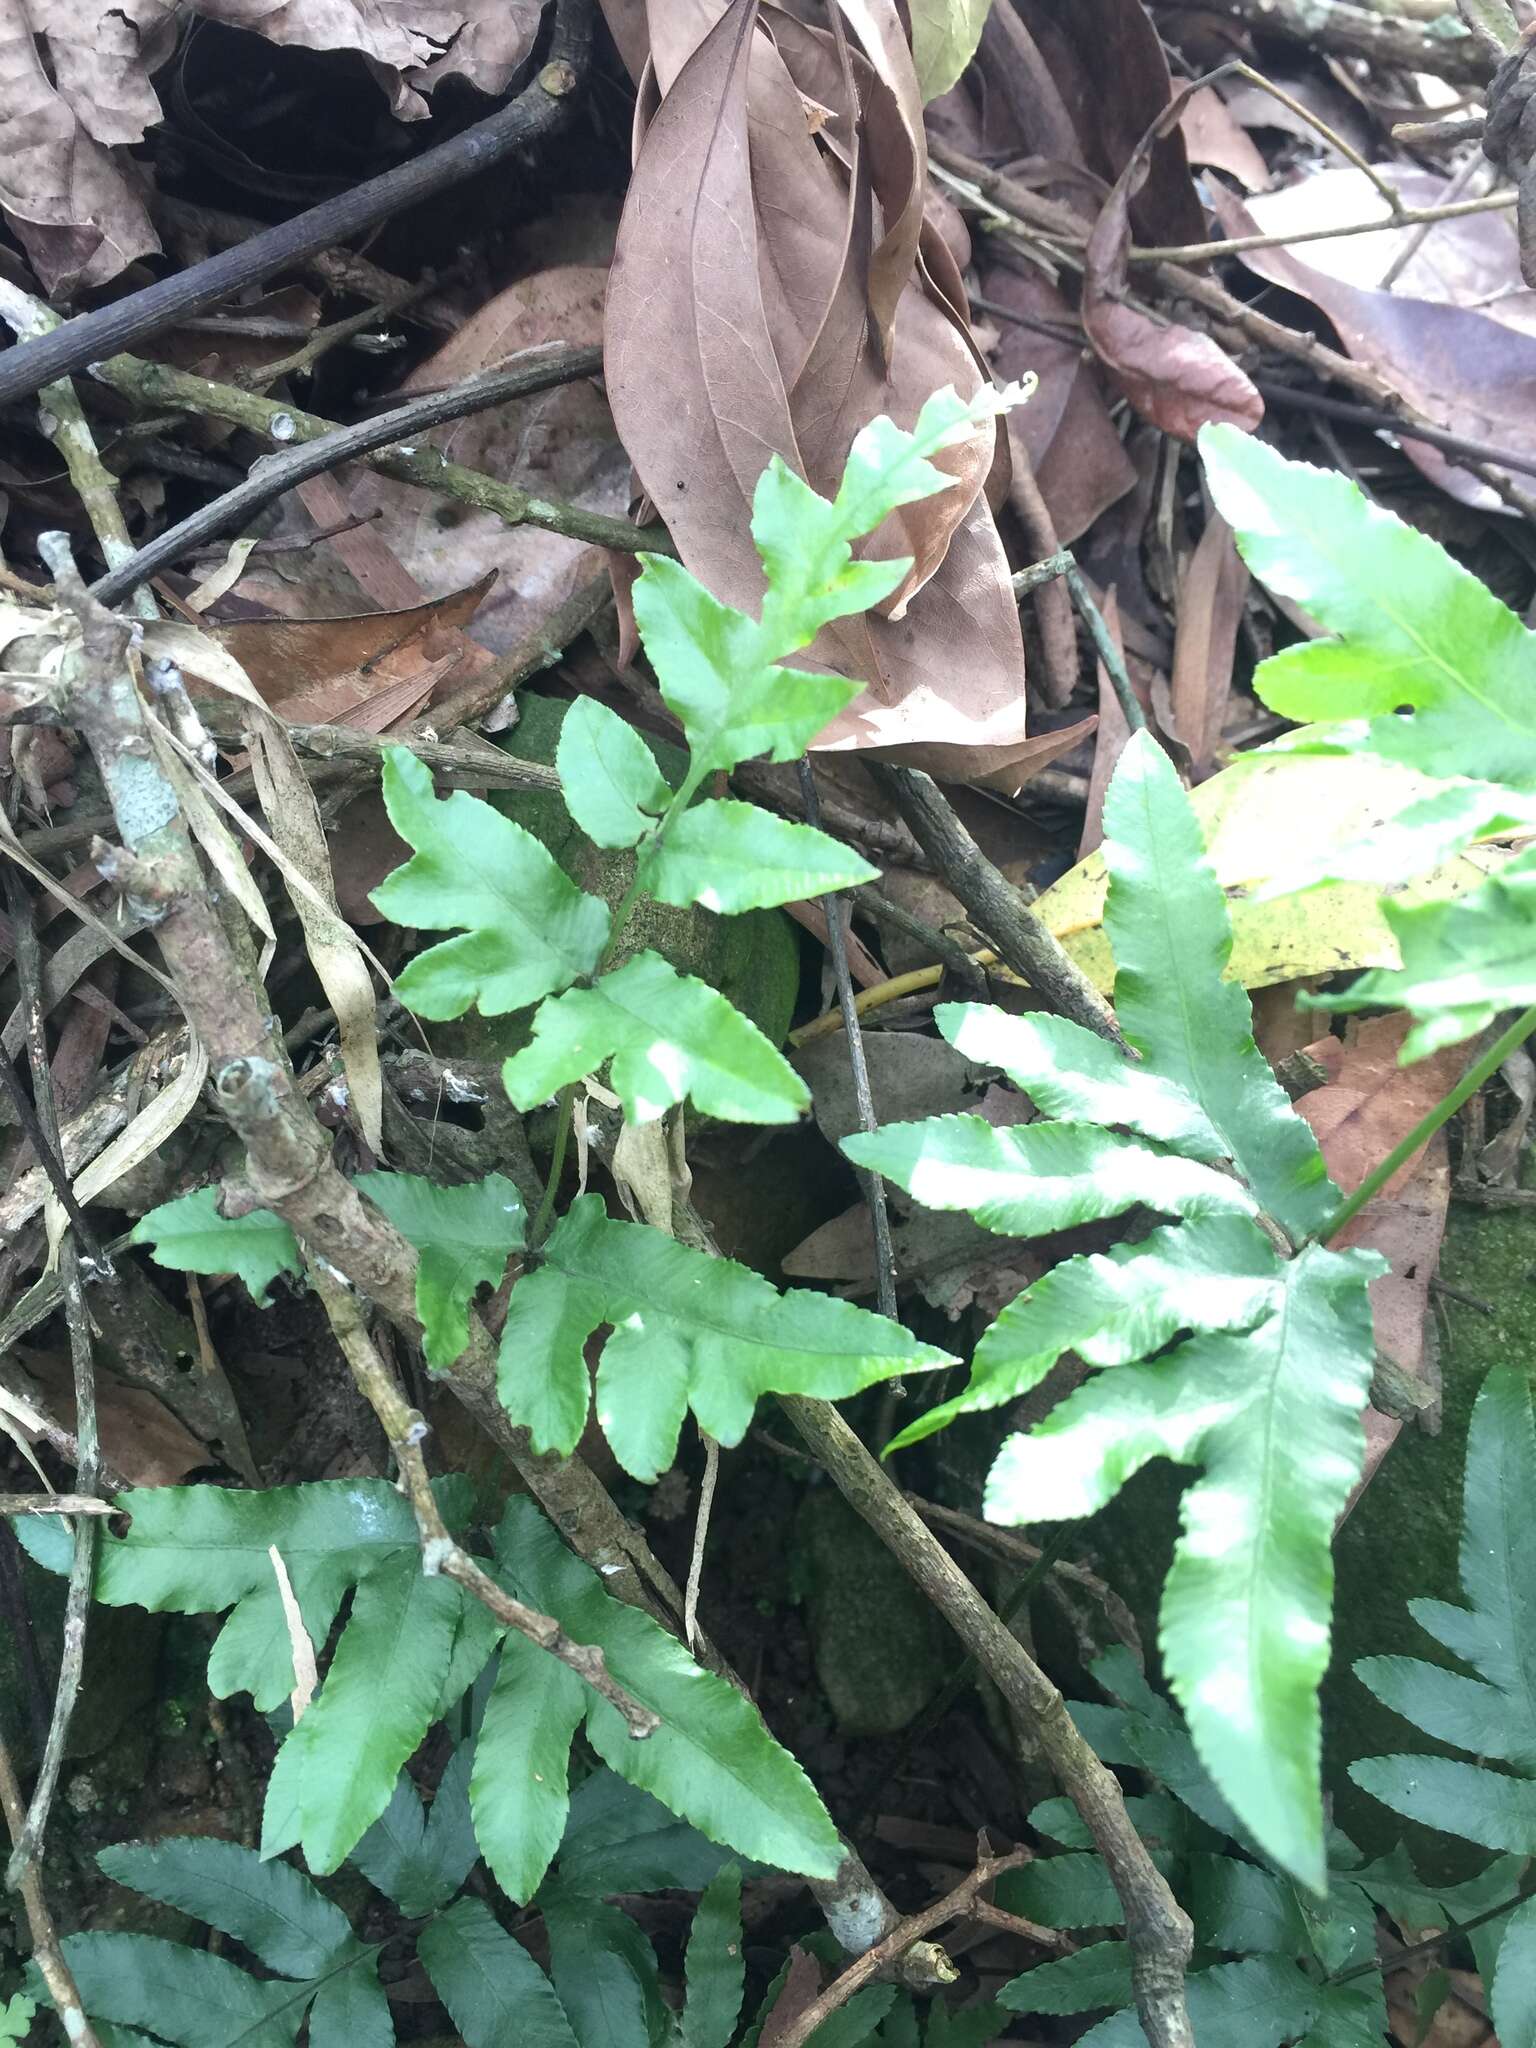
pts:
pixel 1213 588
pixel 299 849
pixel 69 200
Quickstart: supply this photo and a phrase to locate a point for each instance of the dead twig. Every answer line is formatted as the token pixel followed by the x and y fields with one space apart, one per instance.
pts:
pixel 27 1840
pixel 539 369
pixel 864 1101
pixel 993 903
pixel 539 110
pixel 952 1906
pixel 46 1953
pixel 1159 1931
pixel 1444 48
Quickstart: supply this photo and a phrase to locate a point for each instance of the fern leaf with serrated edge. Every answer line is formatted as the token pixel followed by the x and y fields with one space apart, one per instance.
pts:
pixel 711 1761
pixel 1211 1273
pixel 1462 962
pixel 1167 923
pixel 1494 1713
pixel 1026 1180
pixel 525 928
pixel 190 1236
pixel 669 1035
pixel 1414 627
pixel 1273 1416
pixel 494 1991
pixel 689 1332
pixel 465 1236
pixel 715 1967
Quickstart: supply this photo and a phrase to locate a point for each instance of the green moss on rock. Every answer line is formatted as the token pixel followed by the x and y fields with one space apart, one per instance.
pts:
pixel 881 1650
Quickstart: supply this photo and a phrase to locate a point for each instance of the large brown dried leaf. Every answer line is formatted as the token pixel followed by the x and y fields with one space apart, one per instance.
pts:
pixel 738 326
pixel 74 210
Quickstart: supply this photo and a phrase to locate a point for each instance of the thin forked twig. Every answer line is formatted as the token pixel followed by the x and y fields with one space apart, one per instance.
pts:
pixel 901 1937
pixel 440 1554
pixel 46 1953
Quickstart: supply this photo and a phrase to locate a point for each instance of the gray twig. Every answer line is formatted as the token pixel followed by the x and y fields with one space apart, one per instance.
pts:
pixel 537 369
pixel 995 906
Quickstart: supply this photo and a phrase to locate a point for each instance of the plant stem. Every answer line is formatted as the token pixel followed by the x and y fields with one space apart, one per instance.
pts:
pixel 1482 1069
pixel 563 1120
pixel 1387 1964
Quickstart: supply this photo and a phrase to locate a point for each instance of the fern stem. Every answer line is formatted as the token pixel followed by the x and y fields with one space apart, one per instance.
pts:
pixel 1482 1069
pixel 564 1116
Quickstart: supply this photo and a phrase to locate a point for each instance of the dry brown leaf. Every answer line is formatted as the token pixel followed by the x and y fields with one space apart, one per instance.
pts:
pixel 1470 369
pixel 1212 135
pixel 73 206
pixel 1368 1105
pixel 342 671
pixel 738 326
pixel 75 84
pixel 1175 376
pixel 1213 588
pixel 139 1434
pixel 559 443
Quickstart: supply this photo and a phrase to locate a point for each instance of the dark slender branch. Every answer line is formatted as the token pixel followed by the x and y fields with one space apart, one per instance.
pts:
pixel 864 1101
pixel 993 903
pixel 1104 646
pixel 1159 1931
pixel 539 369
pixel 1503 455
pixel 539 110
pixel 1385 1965
pixel 1444 49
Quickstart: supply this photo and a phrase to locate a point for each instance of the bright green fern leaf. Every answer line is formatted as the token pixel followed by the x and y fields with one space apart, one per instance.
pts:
pixel 669 1035
pixel 1491 1715
pixel 608 776
pixel 732 857
pixel 1071 1073
pixel 526 929
pixel 465 1236
pixel 494 1991
pixel 1167 923
pixel 1273 1416
pixel 689 1332
pixel 711 1760
pixel 1214 1273
pixel 190 1236
pixel 1026 1179
pixel 1416 631
pixel 1463 962
pixel 1266 1393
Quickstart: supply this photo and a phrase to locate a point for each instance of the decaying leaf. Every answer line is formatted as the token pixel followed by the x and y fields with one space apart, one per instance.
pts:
pixel 1175 376
pixel 76 84
pixel 1252 813
pixel 752 309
